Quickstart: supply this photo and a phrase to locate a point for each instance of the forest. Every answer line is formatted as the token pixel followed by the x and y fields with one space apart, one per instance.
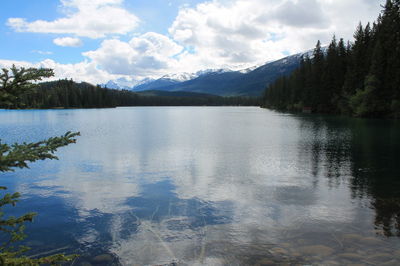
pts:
pixel 359 78
pixel 70 94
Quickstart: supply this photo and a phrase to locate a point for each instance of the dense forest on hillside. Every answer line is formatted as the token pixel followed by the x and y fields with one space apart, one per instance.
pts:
pixel 69 94
pixel 360 78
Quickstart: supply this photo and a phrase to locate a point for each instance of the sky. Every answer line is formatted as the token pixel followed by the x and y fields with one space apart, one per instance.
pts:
pixel 129 40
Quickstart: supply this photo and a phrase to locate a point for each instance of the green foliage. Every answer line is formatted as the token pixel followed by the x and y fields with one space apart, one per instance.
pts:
pixel 395 107
pixel 69 94
pixel 11 259
pixel 18 156
pixel 362 79
pixel 362 102
pixel 15 82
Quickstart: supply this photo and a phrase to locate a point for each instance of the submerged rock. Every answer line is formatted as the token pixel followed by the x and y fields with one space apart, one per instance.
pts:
pixel 350 250
pixel 352 237
pixel 397 254
pixel 351 256
pixel 391 263
pixel 295 254
pixel 103 258
pixel 279 251
pixel 380 258
pixel 265 262
pixel 317 250
pixel 330 263
pixel 286 245
pixel 371 241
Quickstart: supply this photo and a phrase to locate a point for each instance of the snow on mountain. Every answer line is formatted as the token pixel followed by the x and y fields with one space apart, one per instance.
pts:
pixel 249 69
pixel 212 70
pixel 144 81
pixel 175 80
pixel 180 76
pixel 110 85
pixel 120 83
pixel 123 83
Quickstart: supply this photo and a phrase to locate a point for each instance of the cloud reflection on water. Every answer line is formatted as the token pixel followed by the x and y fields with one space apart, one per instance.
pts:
pixel 175 182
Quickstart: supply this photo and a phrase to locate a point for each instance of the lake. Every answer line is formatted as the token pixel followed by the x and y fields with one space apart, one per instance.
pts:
pixel 210 186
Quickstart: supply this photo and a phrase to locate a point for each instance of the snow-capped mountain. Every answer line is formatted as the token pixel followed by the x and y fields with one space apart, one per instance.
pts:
pixel 144 81
pixel 122 83
pixel 180 77
pixel 110 85
pixel 174 79
pixel 212 71
pixel 249 69
pixel 224 82
pixel 169 79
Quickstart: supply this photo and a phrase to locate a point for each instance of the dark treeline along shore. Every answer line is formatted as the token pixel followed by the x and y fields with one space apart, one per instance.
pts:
pixel 359 79
pixel 70 94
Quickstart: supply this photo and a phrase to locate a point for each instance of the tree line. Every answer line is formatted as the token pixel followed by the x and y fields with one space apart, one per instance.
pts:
pixel 70 94
pixel 361 78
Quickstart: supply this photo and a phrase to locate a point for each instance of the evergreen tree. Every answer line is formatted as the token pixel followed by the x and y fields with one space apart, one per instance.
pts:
pixel 12 228
pixel 330 78
pixel 14 86
pixel 317 71
pixel 362 79
pixel 15 82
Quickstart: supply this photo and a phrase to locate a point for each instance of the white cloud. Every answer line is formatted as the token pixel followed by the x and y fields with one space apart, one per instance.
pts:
pixel 213 34
pixel 68 41
pixel 226 34
pixel 306 13
pixel 9 63
pixel 83 71
pixel 146 55
pixel 244 32
pixel 93 19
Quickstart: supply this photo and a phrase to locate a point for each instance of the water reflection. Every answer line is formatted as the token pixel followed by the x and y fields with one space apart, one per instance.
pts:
pixel 212 186
pixel 376 172
pixel 362 154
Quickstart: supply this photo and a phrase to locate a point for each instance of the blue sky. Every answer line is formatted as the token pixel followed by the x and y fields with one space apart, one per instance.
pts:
pixel 128 40
pixel 155 16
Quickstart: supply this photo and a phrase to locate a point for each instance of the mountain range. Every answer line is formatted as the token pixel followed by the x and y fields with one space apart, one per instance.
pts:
pixel 221 82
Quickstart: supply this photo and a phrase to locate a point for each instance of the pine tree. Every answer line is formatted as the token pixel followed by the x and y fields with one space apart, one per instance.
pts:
pixel 329 77
pixel 362 79
pixel 317 72
pixel 16 82
pixel 18 156
pixel 12 89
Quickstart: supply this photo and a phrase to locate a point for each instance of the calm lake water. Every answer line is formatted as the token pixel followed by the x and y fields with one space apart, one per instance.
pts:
pixel 210 186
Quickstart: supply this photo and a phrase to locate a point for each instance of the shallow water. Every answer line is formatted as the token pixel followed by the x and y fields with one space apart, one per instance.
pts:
pixel 210 186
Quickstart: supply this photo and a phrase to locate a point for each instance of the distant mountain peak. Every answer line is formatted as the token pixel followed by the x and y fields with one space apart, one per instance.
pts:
pixel 212 71
pixel 144 81
pixel 179 76
pixel 223 81
pixel 121 83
